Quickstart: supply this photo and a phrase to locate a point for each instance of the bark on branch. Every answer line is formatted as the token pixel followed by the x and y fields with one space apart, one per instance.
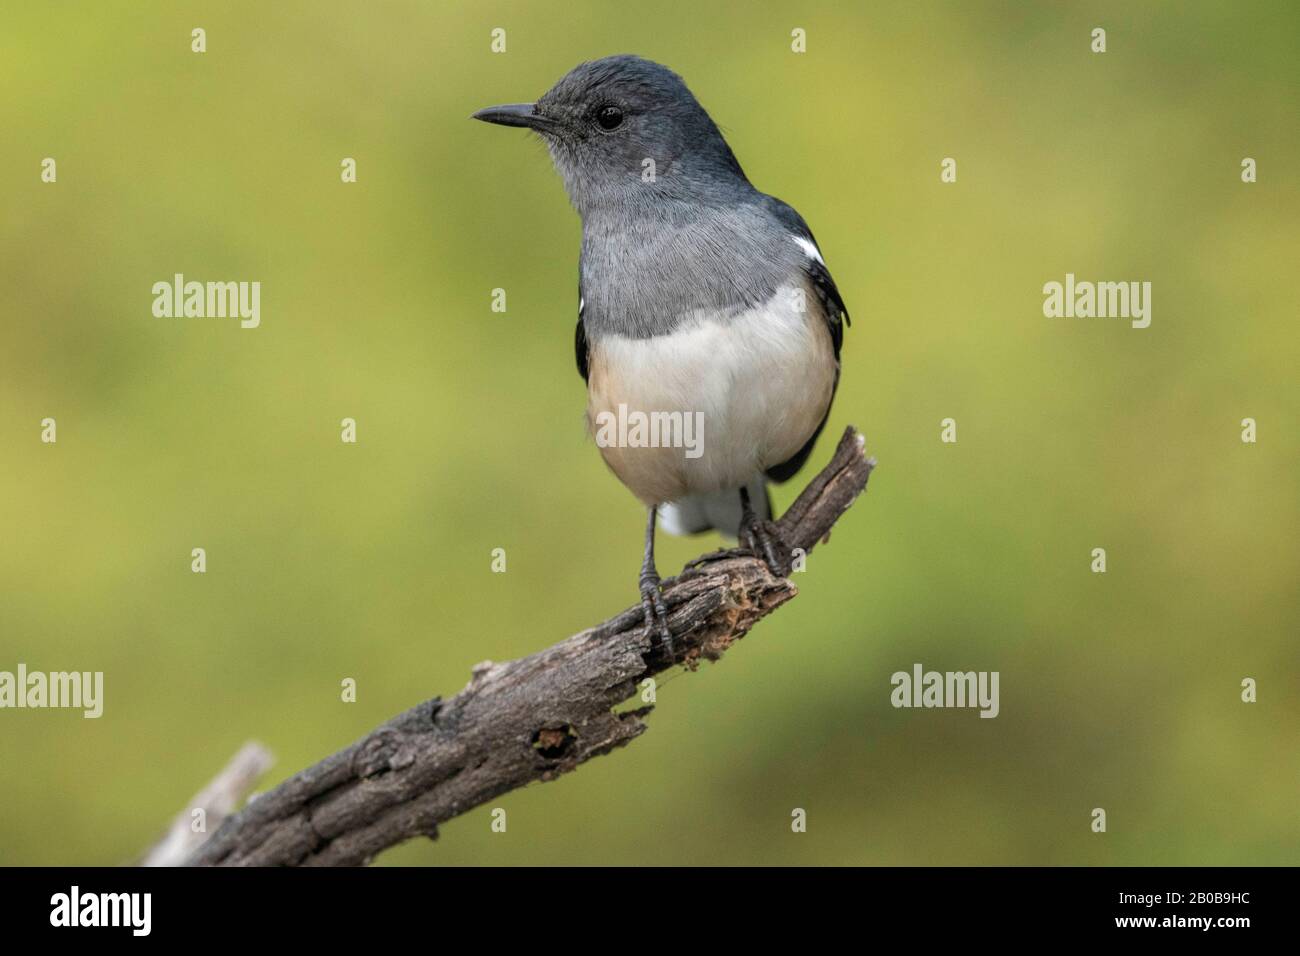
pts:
pixel 218 800
pixel 529 719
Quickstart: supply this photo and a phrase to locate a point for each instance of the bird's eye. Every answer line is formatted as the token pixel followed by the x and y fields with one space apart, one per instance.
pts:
pixel 609 118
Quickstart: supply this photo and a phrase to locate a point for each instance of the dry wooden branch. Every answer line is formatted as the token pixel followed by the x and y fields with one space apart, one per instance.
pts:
pixel 530 719
pixel 218 800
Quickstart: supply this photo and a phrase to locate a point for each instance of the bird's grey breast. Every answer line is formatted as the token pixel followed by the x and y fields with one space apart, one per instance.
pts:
pixel 645 274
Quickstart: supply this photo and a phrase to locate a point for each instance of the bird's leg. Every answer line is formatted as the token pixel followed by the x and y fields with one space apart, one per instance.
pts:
pixel 652 601
pixel 764 540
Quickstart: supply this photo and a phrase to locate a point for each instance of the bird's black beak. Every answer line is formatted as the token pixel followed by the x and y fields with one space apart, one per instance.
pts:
pixel 516 114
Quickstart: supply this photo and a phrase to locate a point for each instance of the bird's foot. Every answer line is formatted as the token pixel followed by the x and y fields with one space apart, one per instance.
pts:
pixel 765 542
pixel 656 613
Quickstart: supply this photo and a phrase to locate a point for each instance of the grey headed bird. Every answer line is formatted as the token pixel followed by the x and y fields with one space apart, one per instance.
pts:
pixel 697 295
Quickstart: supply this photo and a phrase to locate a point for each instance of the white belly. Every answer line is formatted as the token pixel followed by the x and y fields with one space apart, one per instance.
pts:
pixel 761 383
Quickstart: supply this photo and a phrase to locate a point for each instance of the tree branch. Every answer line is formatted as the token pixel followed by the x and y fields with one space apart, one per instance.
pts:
pixel 218 800
pixel 529 719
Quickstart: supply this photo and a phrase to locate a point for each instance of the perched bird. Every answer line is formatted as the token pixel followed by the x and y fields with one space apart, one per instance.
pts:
pixel 697 295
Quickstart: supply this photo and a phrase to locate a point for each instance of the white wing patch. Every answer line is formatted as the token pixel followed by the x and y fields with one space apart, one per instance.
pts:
pixel 809 249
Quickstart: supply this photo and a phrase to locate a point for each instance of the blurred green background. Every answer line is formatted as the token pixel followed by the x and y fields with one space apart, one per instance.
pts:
pixel 371 561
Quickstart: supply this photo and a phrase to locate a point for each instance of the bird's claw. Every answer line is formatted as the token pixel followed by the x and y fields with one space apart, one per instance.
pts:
pixel 656 614
pixel 766 543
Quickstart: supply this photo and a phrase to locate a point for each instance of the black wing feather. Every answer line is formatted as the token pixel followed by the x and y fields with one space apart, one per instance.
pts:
pixel 580 350
pixel 580 347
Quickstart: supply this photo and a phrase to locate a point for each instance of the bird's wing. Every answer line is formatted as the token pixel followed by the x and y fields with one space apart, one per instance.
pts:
pixel 819 277
pixel 580 347
pixel 833 311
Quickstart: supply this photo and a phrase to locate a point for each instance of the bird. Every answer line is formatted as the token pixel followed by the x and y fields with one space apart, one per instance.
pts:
pixel 698 296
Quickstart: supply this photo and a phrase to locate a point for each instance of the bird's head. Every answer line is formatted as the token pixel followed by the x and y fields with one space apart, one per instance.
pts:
pixel 623 129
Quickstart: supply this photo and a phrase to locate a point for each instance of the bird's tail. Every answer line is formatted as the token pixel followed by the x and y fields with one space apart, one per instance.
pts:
pixel 714 509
